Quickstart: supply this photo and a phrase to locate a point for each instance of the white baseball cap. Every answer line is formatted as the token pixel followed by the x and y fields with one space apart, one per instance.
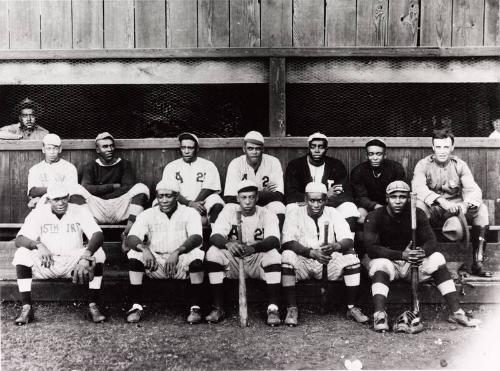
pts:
pixel 254 137
pixel 316 187
pixel 104 135
pixel 191 136
pixel 56 190
pixel 168 185
pixel 52 139
pixel 317 135
pixel 247 185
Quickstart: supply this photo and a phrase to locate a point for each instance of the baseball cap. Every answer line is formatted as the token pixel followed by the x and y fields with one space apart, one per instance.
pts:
pixel 247 185
pixel 254 137
pixel 316 187
pixel 57 190
pixel 191 136
pixel 397 186
pixel 169 185
pixel 317 135
pixel 104 135
pixel 376 142
pixel 52 139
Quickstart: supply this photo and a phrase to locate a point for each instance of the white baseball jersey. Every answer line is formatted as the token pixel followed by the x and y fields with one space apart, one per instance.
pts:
pixel 61 236
pixel 269 171
pixel 193 177
pixel 43 173
pixel 255 228
pixel 167 234
pixel 300 227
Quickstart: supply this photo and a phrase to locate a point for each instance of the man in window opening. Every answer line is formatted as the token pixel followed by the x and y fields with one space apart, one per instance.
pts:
pixel 27 128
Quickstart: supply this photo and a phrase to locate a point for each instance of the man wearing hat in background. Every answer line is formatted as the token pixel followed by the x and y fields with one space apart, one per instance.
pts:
pixel 446 187
pixel 165 242
pixel 50 245
pixel 387 237
pixel 304 252
pixel 262 169
pixel 258 248
pixel 27 127
pixel 198 179
pixel 111 191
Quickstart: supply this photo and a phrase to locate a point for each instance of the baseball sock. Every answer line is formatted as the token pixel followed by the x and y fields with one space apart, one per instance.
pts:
pixel 273 293
pixel 95 284
pixel 196 278
pixel 24 278
pixel 380 290
pixel 352 277
pixel 288 281
pixel 272 275
pixel 136 273
pixel 446 287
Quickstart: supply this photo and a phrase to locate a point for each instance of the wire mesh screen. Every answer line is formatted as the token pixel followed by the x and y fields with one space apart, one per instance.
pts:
pixel 403 109
pixel 142 111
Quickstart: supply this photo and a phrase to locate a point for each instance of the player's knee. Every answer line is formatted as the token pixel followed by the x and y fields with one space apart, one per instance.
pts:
pixel 141 199
pixel 423 206
pixel 100 256
pixel 433 262
pixel 214 255
pixel 132 254
pixel 140 188
pixel 276 207
pixel 289 258
pixel 383 265
pixel 480 217
pixel 348 210
pixel 271 257
pixel 196 266
pixel 23 256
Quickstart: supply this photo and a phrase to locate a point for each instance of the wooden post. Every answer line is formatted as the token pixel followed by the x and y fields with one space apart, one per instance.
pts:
pixel 277 97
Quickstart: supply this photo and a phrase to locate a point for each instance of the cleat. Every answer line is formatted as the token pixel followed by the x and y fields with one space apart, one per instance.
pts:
pixel 194 315
pixel 27 315
pixel 477 269
pixel 216 315
pixel 134 314
pixel 292 314
pixel 95 314
pixel 380 323
pixel 357 315
pixel 464 320
pixel 273 316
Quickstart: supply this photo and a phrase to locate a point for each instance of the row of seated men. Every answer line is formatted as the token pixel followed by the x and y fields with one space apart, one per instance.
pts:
pixel 267 190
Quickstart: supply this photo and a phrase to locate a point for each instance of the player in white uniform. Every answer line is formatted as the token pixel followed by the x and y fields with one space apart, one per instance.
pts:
pixel 50 245
pixel 262 169
pixel 259 249
pixel 198 179
pixel 303 251
pixel 165 242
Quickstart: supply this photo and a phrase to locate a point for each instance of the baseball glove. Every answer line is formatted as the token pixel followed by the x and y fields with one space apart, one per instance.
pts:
pixel 408 323
pixel 83 272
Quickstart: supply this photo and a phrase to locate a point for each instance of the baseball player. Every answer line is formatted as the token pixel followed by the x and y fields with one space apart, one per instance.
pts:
pixel 27 127
pixel 387 232
pixel 109 186
pixel 198 179
pixel 262 169
pixel 50 245
pixel 173 234
pixel 304 254
pixel 316 166
pixel 258 248
pixel 445 186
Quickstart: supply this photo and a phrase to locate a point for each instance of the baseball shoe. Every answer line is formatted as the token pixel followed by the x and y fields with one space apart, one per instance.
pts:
pixel 194 315
pixel 216 315
pixel 477 269
pixel 380 323
pixel 27 315
pixel 95 314
pixel 462 319
pixel 292 315
pixel 273 315
pixel 134 314
pixel 357 315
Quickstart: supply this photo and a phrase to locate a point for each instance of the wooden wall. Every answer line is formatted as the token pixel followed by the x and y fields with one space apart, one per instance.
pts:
pixel 127 24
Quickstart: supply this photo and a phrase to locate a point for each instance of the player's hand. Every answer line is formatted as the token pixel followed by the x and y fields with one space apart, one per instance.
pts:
pixel 449 206
pixel 198 206
pixel 171 263
pixel 83 272
pixel 45 255
pixel 320 256
pixel 335 190
pixel 235 248
pixel 149 259
pixel 270 187
pixel 248 250
pixel 416 257
pixel 331 247
pixel 464 206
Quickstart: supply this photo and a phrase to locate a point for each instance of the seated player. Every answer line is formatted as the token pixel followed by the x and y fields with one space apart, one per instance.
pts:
pixel 445 186
pixel 258 249
pixel 110 189
pixel 27 127
pixel 50 245
pixel 388 238
pixel 198 179
pixel 303 251
pixel 316 166
pixel 262 169
pixel 173 235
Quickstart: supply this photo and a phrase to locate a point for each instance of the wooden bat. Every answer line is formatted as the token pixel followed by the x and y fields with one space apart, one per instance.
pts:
pixel 414 269
pixel 324 273
pixel 242 287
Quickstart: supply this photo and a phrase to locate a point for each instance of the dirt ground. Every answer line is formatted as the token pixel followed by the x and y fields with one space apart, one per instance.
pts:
pixel 63 338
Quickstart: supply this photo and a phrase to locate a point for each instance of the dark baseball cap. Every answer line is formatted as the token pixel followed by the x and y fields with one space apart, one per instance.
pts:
pixel 376 142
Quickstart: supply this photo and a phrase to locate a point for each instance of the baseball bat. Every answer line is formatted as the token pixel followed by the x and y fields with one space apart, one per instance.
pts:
pixel 324 272
pixel 414 269
pixel 242 287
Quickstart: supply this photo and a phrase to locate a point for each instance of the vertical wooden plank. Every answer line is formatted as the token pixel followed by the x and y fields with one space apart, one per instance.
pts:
pixel 150 27
pixel 403 23
pixel 4 25
pixel 5 187
pixel 492 23
pixel 56 24
pixel 371 21
pixel 468 22
pixel 493 175
pixel 340 23
pixel 119 24
pixel 435 23
pixel 308 23
pixel 24 24
pixel 88 26
pixel 182 23
pixel 277 97
pixel 244 23
pixel 276 23
pixel 213 23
